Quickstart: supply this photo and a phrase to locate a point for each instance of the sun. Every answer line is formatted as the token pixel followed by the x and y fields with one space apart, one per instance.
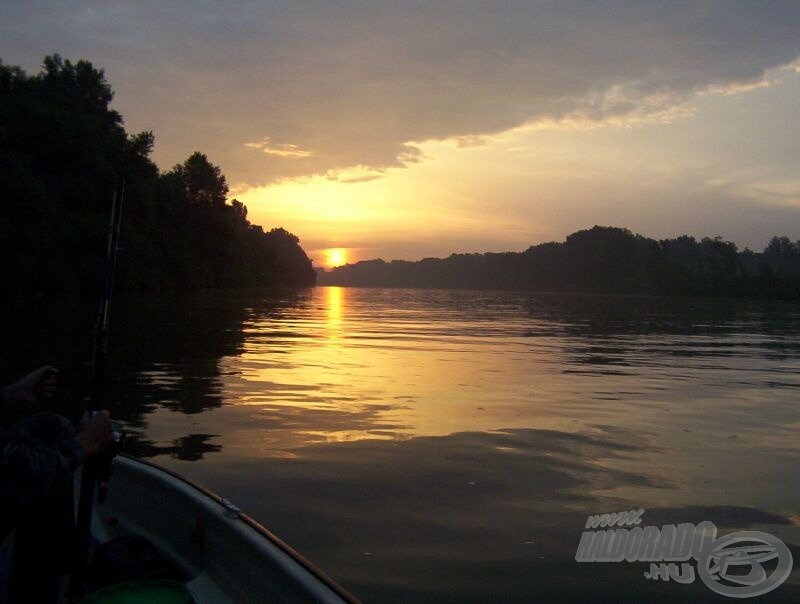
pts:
pixel 336 256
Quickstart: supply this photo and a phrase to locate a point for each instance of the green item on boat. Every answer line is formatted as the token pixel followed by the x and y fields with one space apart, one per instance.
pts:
pixel 153 591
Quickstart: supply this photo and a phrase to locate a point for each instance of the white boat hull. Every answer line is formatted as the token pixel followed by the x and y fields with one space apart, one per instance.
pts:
pixel 230 557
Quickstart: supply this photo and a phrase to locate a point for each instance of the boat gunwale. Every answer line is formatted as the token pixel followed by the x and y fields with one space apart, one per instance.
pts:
pixel 258 527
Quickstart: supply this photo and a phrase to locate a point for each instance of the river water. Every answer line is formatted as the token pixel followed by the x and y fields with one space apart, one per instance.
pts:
pixel 448 446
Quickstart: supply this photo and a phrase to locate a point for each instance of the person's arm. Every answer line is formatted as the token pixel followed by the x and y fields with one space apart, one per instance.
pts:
pixel 29 390
pixel 30 468
pixel 31 471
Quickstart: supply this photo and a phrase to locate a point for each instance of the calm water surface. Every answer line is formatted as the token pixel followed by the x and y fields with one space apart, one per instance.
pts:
pixel 446 446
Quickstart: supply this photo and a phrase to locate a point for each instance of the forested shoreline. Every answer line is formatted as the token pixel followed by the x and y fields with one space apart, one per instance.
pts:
pixel 601 260
pixel 64 151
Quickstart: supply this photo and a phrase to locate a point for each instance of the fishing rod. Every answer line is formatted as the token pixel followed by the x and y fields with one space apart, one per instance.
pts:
pixel 97 469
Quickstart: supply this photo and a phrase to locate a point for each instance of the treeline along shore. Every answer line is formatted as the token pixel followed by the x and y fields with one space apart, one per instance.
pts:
pixel 601 260
pixel 63 152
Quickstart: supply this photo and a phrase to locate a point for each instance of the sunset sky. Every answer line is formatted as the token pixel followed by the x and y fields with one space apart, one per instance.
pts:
pixel 414 129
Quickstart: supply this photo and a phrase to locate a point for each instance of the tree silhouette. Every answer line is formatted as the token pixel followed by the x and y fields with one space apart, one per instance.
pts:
pixel 63 151
pixel 203 182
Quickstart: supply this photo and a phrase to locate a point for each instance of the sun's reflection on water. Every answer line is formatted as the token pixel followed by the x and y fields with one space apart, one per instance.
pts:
pixel 335 301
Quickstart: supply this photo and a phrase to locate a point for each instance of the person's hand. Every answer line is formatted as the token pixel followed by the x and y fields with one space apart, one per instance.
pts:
pixel 95 433
pixel 36 387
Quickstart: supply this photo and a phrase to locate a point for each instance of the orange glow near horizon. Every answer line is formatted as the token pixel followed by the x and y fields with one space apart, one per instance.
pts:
pixel 336 256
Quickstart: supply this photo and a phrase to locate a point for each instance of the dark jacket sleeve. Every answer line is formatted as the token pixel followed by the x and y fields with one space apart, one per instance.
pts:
pixel 33 467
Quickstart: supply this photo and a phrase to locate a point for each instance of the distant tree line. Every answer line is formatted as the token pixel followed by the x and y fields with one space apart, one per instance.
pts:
pixel 601 260
pixel 63 152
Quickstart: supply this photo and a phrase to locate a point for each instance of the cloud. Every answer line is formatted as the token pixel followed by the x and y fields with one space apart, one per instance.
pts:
pixel 281 150
pixel 355 174
pixel 351 84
